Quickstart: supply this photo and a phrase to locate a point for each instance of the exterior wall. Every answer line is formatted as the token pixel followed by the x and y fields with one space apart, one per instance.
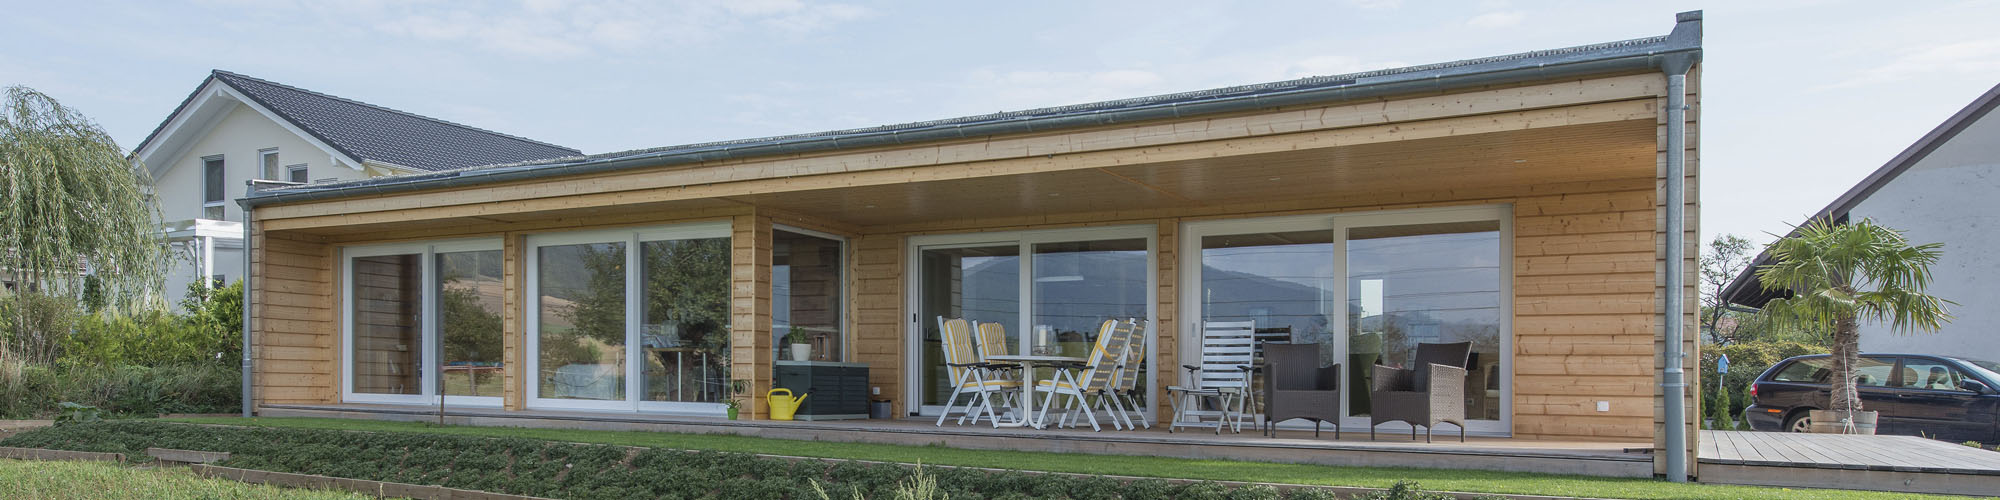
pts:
pixel 292 314
pixel 186 270
pixel 1691 250
pixel 877 332
pixel 1947 197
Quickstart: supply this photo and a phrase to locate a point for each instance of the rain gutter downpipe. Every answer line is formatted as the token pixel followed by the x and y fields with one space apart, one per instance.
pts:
pixel 1673 380
pixel 248 363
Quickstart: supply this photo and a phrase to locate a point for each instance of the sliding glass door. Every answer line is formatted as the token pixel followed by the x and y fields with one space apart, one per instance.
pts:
pixel 422 320
pixel 1368 289
pixel 623 330
pixel 1049 289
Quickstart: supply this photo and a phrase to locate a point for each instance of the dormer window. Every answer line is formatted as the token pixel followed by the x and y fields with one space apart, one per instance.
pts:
pixel 211 188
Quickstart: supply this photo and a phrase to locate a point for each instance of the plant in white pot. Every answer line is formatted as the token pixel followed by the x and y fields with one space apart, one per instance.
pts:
pixel 801 345
pixel 1840 275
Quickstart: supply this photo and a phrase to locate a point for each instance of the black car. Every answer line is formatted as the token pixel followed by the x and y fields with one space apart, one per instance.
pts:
pixel 1941 397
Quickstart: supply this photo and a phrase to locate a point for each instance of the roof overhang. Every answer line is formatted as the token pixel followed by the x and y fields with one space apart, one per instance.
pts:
pixel 199 114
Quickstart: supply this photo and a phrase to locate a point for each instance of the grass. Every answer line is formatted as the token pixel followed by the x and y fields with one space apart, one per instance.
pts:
pixel 102 480
pixel 1142 466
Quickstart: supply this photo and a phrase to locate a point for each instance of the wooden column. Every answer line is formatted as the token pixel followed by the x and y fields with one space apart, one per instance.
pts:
pixel 1166 332
pixel 877 294
pixel 750 339
pixel 513 332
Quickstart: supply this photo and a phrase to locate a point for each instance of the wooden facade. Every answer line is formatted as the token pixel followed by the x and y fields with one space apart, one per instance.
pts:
pixel 1577 163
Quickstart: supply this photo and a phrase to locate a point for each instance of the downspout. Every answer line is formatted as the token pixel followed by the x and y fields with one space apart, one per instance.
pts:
pixel 1673 380
pixel 248 364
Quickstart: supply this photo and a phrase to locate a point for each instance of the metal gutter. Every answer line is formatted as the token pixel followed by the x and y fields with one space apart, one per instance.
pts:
pixel 1646 54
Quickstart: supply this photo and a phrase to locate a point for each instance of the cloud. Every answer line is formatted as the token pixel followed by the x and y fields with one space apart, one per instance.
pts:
pixel 1374 4
pixel 1025 89
pixel 1335 65
pixel 1496 19
pixel 1955 59
pixel 559 29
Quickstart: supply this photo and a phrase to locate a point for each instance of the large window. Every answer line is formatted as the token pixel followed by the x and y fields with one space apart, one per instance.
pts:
pixel 806 292
pixel 617 329
pixel 1367 289
pixel 1050 303
pixel 423 320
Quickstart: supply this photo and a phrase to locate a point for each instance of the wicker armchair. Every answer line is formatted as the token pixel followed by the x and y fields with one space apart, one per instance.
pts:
pixel 1296 386
pixel 1430 392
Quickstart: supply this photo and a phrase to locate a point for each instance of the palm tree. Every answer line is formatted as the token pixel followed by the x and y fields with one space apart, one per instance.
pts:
pixel 1840 274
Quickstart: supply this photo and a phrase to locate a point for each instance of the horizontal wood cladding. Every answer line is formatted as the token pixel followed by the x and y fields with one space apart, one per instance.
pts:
pixel 1546 105
pixel 1585 310
pixel 878 313
pixel 294 335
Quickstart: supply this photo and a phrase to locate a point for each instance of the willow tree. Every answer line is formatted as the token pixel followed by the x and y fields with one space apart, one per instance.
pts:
pixel 75 220
pixel 1841 274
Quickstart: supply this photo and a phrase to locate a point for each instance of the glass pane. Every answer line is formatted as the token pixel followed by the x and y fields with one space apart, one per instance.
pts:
pixel 388 324
pixel 1284 281
pixel 685 336
pixel 805 294
pixel 298 174
pixel 1427 283
pixel 1873 372
pixel 1919 373
pixel 270 165
pixel 469 298
pixel 581 303
pixel 1078 285
pixel 980 284
pixel 211 177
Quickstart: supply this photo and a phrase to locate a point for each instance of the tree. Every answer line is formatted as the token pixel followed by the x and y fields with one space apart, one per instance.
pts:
pixel 1841 274
pixel 73 209
pixel 1724 260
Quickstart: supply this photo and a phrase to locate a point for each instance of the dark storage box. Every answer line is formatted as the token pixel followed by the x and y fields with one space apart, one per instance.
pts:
pixel 838 390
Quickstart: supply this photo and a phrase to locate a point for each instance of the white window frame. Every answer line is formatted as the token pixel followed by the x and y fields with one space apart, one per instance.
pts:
pixel 299 167
pixel 428 377
pixel 634 362
pixel 269 165
pixel 1339 224
pixel 1026 241
pixel 222 201
pixel 846 350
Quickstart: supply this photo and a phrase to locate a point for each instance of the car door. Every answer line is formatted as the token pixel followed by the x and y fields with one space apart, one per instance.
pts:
pixel 1929 403
pixel 1873 376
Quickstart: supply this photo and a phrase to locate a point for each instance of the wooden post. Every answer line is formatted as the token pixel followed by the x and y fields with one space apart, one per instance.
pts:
pixel 750 339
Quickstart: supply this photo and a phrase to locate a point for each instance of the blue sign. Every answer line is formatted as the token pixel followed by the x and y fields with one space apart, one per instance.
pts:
pixel 1722 365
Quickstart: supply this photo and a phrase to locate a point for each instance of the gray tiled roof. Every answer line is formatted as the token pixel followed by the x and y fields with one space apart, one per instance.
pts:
pixel 368 132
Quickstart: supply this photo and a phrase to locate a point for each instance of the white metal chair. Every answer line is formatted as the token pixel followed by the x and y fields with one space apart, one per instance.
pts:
pixel 1089 384
pixel 1228 349
pixel 1125 392
pixel 968 375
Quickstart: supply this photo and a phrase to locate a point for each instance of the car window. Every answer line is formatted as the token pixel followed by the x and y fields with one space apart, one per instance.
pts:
pixel 1810 370
pixel 1919 373
pixel 1874 372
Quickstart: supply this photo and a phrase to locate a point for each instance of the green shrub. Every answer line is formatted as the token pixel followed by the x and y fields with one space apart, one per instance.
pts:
pixel 72 413
pixel 1746 361
pixel 30 391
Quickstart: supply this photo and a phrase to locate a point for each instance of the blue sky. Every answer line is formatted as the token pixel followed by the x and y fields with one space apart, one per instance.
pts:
pixel 1807 95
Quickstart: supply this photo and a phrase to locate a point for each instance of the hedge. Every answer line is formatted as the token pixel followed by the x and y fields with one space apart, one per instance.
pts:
pixel 572 470
pixel 1746 361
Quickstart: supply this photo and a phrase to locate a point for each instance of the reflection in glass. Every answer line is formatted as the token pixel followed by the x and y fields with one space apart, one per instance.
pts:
pixel 805 293
pixel 388 324
pixel 685 336
pixel 1284 281
pixel 980 284
pixel 1080 284
pixel 582 321
pixel 1427 283
pixel 469 298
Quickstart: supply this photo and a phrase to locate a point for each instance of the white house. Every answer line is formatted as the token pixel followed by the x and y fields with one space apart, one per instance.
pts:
pixel 1945 188
pixel 235 129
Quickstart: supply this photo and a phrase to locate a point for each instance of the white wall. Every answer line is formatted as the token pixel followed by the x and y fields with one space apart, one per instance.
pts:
pixel 1951 196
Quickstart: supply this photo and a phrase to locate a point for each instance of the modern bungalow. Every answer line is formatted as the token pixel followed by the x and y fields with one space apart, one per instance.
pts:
pixel 1538 206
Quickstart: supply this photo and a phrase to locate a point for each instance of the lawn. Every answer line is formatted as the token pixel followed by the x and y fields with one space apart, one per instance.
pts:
pixel 1141 466
pixel 102 480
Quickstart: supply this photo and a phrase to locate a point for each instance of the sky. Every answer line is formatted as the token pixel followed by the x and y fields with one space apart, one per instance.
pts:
pixel 1800 99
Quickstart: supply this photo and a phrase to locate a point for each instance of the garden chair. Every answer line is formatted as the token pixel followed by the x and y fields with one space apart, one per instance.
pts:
pixel 1296 386
pixel 1430 392
pixel 1223 377
pixel 1089 384
pixel 969 377
pixel 992 341
pixel 1126 391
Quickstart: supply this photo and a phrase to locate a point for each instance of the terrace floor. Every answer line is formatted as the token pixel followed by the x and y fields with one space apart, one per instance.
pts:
pixel 1889 463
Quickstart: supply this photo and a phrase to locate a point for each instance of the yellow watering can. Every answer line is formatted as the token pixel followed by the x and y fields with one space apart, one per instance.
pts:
pixel 783 407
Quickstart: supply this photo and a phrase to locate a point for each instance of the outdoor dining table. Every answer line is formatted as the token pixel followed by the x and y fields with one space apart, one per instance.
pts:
pixel 1027 417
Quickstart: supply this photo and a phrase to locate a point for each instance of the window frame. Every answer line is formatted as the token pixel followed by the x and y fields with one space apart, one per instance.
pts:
pixel 299 168
pixel 221 194
pixel 428 378
pixel 846 344
pixel 268 164
pixel 632 237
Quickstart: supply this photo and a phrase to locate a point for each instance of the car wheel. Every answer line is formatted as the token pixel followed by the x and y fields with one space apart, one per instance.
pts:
pixel 1800 422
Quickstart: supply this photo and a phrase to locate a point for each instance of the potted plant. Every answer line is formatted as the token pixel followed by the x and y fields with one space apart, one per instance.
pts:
pixel 732 401
pixel 1839 275
pixel 801 346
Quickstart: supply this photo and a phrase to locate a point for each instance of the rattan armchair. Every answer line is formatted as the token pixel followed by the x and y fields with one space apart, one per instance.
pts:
pixel 1296 386
pixel 1430 392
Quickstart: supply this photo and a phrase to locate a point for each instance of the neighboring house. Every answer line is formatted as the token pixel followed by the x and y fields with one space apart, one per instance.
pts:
pixel 236 128
pixel 1520 203
pixel 1945 188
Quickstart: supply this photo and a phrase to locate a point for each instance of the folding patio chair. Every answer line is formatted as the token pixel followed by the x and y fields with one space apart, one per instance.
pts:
pixel 1089 384
pixel 992 341
pixel 1125 392
pixel 1223 377
pixel 969 377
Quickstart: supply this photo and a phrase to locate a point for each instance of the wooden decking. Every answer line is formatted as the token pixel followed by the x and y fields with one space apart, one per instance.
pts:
pixel 1887 463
